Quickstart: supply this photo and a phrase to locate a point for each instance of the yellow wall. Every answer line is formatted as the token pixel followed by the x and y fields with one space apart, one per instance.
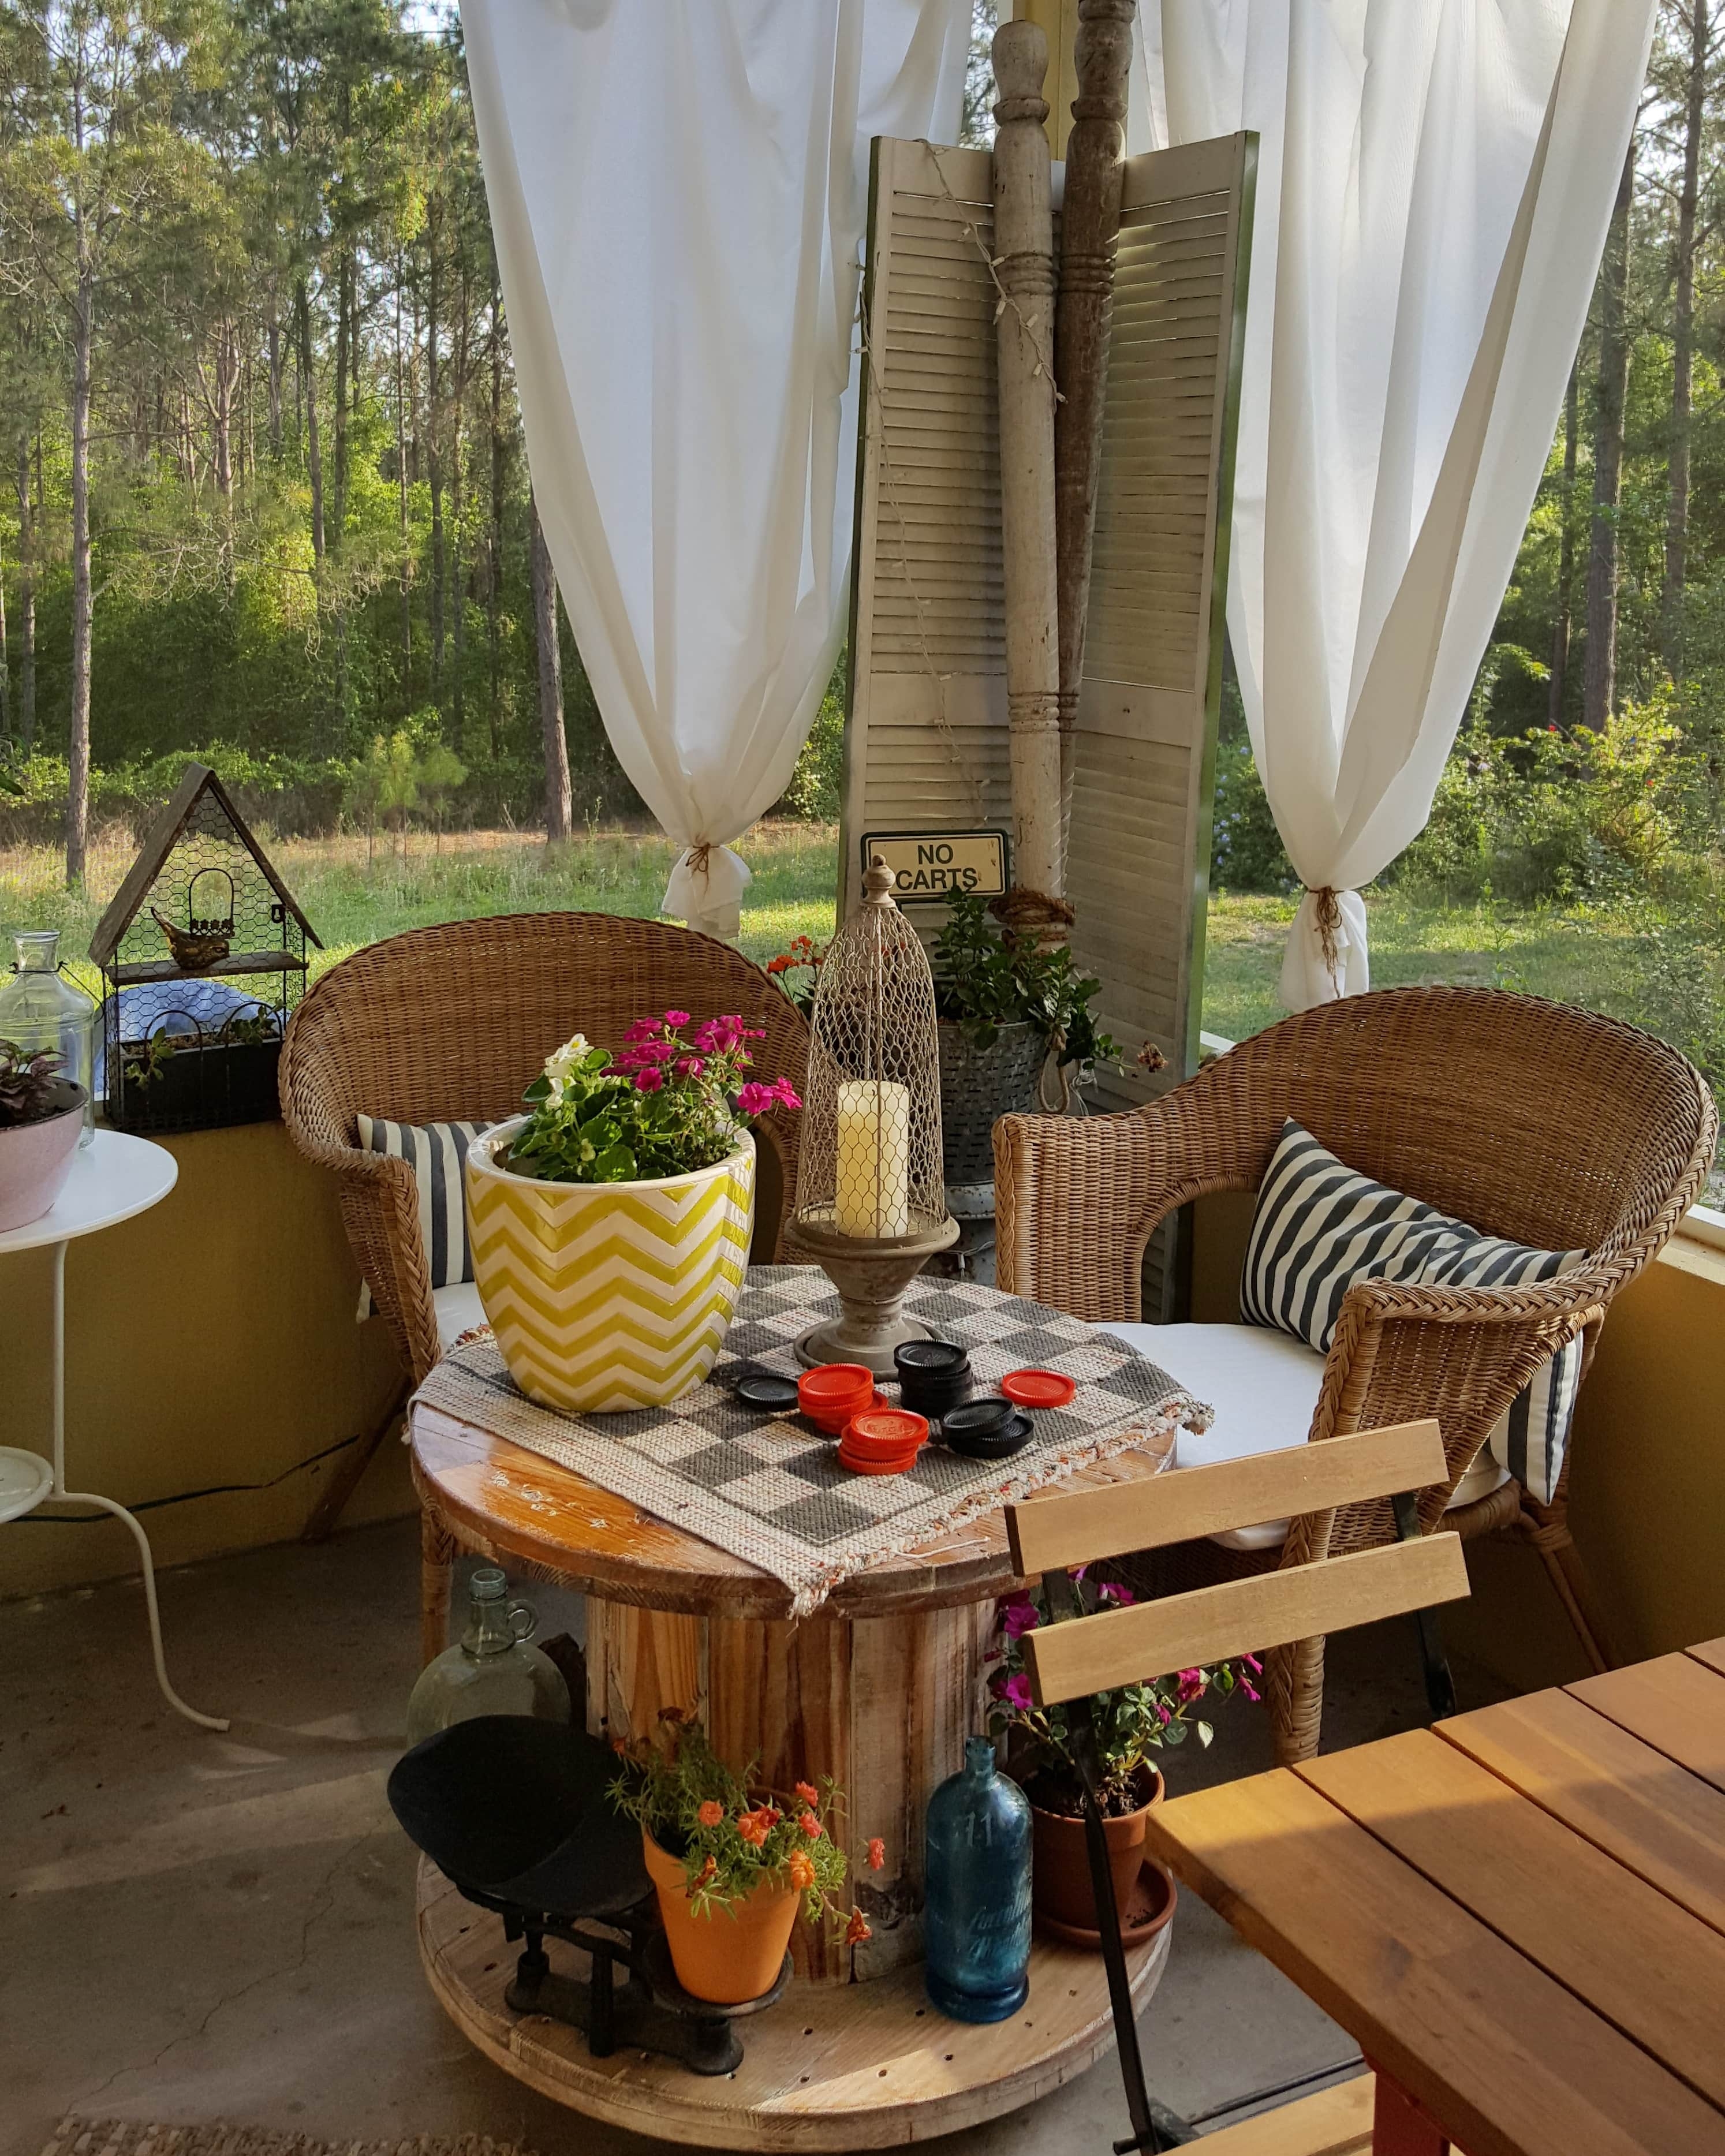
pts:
pixel 1058 20
pixel 1647 1505
pixel 210 1342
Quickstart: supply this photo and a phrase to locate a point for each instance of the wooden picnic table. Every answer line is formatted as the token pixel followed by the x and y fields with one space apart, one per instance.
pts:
pixel 1519 1914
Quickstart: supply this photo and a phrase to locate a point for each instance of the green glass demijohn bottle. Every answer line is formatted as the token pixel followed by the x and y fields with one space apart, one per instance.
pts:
pixel 490 1669
pixel 976 1915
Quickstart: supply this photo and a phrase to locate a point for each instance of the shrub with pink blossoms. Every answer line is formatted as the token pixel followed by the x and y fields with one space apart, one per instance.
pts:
pixel 1132 1722
pixel 672 1099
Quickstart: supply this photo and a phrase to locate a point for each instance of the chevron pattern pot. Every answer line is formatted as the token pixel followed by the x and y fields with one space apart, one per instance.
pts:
pixel 609 1296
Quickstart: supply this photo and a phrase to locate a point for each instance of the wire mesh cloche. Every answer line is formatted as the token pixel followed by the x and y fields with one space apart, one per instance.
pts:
pixel 872 1205
pixel 203 955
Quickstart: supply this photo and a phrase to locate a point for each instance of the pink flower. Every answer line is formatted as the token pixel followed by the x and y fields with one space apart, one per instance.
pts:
pixel 676 1018
pixel 1191 1683
pixel 787 1094
pixel 1016 1692
pixel 648 1080
pixel 1112 1591
pixel 1018 1615
pixel 1251 1662
pixel 690 1066
pixel 756 1099
pixel 1165 1712
pixel 641 1028
pixel 1250 1690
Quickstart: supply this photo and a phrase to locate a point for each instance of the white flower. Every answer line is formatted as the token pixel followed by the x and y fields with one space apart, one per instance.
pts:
pixel 561 1062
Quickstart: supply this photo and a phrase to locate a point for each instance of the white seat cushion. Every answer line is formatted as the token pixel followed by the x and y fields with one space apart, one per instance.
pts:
pixel 1263 1386
pixel 458 1310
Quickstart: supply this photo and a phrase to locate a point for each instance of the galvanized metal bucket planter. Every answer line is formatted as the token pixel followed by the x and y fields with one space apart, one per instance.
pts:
pixel 978 1086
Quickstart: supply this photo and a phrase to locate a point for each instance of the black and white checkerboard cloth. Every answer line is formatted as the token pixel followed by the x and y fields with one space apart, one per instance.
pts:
pixel 772 1491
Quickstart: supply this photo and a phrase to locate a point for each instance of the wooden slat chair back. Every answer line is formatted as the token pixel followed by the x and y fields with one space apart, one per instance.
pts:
pixel 1069 1661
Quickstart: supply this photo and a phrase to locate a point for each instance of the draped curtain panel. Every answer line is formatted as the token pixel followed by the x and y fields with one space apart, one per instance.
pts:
pixel 677 190
pixel 1434 185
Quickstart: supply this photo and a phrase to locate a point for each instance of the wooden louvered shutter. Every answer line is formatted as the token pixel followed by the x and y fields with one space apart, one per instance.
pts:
pixel 926 734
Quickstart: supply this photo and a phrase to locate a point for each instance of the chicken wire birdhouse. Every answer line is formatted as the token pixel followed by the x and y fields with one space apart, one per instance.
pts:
pixel 871 1207
pixel 202 956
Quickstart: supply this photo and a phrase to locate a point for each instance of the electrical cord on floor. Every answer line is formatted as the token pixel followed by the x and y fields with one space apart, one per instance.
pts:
pixel 184 1497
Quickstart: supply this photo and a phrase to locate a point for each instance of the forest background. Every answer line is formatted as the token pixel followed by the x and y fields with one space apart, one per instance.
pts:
pixel 264 499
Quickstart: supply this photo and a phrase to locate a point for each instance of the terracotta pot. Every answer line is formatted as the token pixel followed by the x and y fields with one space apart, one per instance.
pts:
pixel 732 1955
pixel 1060 1875
pixel 36 1158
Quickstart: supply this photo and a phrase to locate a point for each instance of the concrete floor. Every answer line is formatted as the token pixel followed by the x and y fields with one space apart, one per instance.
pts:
pixel 202 1927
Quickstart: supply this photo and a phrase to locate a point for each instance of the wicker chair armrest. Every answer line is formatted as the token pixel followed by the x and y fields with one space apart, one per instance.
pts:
pixel 1076 1200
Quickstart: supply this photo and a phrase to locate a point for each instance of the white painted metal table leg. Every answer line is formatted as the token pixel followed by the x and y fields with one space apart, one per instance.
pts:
pixel 107 1504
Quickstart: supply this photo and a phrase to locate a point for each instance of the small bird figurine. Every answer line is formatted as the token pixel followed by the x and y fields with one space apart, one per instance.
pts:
pixel 193 953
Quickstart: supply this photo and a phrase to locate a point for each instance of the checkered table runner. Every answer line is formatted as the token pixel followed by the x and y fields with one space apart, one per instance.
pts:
pixel 771 1491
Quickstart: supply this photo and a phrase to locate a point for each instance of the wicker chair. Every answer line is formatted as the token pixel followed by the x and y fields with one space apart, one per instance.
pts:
pixel 1549 1126
pixel 449 1024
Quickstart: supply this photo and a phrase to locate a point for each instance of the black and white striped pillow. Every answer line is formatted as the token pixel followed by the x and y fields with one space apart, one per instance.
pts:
pixel 437 1153
pixel 1320 1226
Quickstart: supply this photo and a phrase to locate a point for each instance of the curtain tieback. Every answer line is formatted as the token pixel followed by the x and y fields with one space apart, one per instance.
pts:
pixel 1328 908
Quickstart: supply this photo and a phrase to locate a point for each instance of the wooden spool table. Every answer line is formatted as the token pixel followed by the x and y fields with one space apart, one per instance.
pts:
pixel 879 1689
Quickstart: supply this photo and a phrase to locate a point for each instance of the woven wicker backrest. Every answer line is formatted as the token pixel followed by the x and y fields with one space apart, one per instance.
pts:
pixel 452 1022
pixel 1551 1126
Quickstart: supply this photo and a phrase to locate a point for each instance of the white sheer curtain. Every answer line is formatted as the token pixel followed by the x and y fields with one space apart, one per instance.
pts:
pixel 1434 185
pixel 677 190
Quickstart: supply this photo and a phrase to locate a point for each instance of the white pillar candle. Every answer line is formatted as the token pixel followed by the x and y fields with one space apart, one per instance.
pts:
pixel 871 1184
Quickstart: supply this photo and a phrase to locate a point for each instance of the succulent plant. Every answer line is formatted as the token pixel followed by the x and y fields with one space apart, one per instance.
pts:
pixel 28 1084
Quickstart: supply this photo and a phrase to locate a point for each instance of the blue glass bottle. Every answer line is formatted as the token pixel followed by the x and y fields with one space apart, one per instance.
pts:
pixel 976 1919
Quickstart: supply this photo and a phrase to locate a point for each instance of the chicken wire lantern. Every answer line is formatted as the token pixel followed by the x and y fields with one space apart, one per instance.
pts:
pixel 871 1207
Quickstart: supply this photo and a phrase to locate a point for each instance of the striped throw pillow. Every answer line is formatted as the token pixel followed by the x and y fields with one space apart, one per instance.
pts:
pixel 437 1153
pixel 1320 1225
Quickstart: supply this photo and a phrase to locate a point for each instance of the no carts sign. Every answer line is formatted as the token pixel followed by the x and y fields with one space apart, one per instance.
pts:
pixel 929 866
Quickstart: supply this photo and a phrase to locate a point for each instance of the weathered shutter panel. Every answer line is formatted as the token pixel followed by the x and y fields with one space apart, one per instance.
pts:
pixel 926 741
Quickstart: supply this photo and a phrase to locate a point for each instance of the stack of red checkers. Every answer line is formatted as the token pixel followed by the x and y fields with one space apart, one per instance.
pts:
pixel 883 1441
pixel 831 1393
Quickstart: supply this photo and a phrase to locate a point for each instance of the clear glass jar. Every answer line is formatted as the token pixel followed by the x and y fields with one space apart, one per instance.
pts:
pixel 490 1669
pixel 976 1912
pixel 43 1008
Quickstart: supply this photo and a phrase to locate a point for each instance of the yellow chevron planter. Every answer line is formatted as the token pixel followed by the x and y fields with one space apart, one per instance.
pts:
pixel 607 1296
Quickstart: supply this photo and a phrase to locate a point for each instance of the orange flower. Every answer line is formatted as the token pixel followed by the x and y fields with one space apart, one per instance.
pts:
pixel 877 1853
pixel 707 1871
pixel 808 1792
pixel 810 1825
pixel 801 1868
pixel 754 1827
pixel 711 1813
pixel 782 964
pixel 857 1930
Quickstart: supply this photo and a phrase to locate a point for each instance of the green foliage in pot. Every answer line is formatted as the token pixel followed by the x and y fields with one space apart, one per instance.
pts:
pixel 984 979
pixel 29 1088
pixel 667 1103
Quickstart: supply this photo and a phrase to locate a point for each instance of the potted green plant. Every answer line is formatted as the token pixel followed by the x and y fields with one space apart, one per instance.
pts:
pixel 41 1120
pixel 796 970
pixel 1133 1723
pixel 1005 1006
pixel 731 1862
pixel 610 1224
pixel 175 1081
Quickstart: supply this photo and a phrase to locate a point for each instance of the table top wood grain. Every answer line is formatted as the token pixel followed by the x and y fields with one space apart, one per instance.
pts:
pixel 1519 1914
pixel 500 1498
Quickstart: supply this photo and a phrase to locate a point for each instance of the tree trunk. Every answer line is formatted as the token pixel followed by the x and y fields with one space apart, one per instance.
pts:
pixel 433 424
pixel 5 661
pixel 458 590
pixel 559 800
pixel 1566 557
pixel 274 372
pixel 313 452
pixel 26 602
pixel 1676 524
pixel 401 491
pixel 1599 687
pixel 494 576
pixel 344 362
pixel 78 730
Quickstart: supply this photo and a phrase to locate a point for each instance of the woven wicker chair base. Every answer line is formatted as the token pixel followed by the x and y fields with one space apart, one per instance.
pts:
pixel 1549 1126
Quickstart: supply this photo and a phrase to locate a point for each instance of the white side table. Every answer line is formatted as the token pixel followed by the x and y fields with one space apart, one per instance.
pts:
pixel 112 1180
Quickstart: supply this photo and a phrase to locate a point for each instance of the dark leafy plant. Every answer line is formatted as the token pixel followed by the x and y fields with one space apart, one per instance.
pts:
pixel 146 1059
pixel 984 979
pixel 30 1087
pixel 263 1027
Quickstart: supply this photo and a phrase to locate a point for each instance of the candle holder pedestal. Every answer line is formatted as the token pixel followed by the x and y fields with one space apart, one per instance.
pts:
pixel 872 1276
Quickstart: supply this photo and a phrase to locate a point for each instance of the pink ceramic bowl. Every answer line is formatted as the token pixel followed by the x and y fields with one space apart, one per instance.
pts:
pixel 36 1158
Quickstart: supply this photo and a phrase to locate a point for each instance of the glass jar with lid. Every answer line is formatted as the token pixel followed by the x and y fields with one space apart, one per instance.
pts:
pixel 43 1008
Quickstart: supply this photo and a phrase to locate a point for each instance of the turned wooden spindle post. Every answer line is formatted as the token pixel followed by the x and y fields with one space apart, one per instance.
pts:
pixel 1024 250
pixel 1090 222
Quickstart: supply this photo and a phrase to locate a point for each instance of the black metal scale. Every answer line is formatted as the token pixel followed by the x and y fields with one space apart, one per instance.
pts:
pixel 515 1813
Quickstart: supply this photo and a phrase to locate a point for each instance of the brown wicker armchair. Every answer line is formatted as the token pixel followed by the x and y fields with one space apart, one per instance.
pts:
pixel 1549 1126
pixel 449 1024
